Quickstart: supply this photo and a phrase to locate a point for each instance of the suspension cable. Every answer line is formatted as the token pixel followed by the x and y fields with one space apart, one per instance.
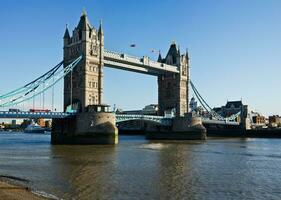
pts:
pixel 37 88
pixel 208 108
pixel 32 83
pixel 53 96
pixel 71 87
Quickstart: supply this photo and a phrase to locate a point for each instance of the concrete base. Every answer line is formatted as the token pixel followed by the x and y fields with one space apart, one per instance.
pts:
pixel 183 128
pixel 192 134
pixel 85 128
pixel 85 138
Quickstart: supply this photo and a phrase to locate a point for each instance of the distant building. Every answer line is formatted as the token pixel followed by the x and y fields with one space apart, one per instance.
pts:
pixel 132 112
pixel 25 123
pixel 274 121
pixel 40 122
pixel 259 120
pixel 14 122
pixel 151 109
pixel 232 108
pixel 193 104
pixel 118 111
pixel 48 123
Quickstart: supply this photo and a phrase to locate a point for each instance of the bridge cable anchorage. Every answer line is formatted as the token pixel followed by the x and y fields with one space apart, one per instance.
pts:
pixel 209 109
pixel 38 86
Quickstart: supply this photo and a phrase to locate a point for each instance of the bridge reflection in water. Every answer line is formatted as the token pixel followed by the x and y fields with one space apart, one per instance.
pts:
pixel 141 169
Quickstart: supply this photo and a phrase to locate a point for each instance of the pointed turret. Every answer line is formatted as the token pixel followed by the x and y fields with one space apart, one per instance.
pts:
pixel 100 32
pixel 84 24
pixel 179 53
pixel 66 33
pixel 66 37
pixel 186 55
pixel 173 55
pixel 159 57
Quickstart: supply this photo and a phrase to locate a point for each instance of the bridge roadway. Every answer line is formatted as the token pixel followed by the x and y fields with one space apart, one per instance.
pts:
pixel 135 64
pixel 34 115
pixel 119 117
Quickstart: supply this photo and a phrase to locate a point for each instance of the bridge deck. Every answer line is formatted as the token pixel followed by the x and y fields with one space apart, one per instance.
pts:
pixel 208 121
pixel 34 115
pixel 119 117
pixel 136 64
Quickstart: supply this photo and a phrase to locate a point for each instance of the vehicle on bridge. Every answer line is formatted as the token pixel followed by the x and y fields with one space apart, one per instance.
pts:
pixel 14 110
pixel 39 110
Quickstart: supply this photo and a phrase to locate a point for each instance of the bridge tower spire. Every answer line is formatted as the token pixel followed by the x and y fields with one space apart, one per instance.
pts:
pixel 87 77
pixel 66 36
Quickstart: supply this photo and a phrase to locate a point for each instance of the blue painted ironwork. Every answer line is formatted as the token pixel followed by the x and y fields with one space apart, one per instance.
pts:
pixel 119 117
pixel 212 113
pixel 158 119
pixel 35 115
pixel 38 86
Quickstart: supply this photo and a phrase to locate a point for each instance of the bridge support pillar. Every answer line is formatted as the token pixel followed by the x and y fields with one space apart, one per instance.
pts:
pixel 173 89
pixel 85 128
pixel 183 128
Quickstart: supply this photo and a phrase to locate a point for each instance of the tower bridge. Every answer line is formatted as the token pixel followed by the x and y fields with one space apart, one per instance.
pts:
pixel 84 58
pixel 85 85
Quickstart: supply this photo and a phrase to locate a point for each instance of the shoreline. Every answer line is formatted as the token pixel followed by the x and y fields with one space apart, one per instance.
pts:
pixel 12 190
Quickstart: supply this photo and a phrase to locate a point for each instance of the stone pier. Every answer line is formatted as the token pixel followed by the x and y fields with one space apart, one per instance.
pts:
pixel 86 128
pixel 83 90
pixel 183 128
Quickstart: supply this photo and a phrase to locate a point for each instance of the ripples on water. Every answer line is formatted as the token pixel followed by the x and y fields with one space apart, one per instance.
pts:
pixel 140 169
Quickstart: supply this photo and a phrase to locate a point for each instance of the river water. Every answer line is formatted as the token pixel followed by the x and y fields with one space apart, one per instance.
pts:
pixel 141 169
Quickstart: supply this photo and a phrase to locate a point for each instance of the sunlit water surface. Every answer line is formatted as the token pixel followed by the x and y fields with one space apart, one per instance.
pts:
pixel 141 169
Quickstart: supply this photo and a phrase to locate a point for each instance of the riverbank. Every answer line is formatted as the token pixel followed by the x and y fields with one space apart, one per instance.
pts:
pixel 10 191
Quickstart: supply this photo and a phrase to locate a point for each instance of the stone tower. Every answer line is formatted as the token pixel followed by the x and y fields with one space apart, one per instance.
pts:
pixel 173 88
pixel 84 86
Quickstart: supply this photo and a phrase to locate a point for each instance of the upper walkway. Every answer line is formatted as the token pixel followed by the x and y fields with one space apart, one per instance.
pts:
pixel 135 64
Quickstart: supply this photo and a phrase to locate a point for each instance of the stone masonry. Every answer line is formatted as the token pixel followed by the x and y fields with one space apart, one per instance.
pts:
pixel 87 85
pixel 87 77
pixel 173 88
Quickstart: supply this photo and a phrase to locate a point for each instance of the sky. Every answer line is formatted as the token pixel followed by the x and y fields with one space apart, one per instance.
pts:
pixel 234 46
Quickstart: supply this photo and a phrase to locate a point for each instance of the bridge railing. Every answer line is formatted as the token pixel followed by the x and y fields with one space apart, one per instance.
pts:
pixel 28 114
pixel 141 116
pixel 221 122
pixel 159 119
pixel 140 61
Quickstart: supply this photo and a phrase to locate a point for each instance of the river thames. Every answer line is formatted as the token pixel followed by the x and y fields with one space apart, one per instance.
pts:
pixel 140 169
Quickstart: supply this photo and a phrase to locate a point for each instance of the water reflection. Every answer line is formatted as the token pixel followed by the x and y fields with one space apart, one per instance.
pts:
pixel 141 169
pixel 85 171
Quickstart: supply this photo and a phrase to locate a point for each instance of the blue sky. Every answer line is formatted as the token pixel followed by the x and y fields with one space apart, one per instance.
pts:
pixel 234 46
